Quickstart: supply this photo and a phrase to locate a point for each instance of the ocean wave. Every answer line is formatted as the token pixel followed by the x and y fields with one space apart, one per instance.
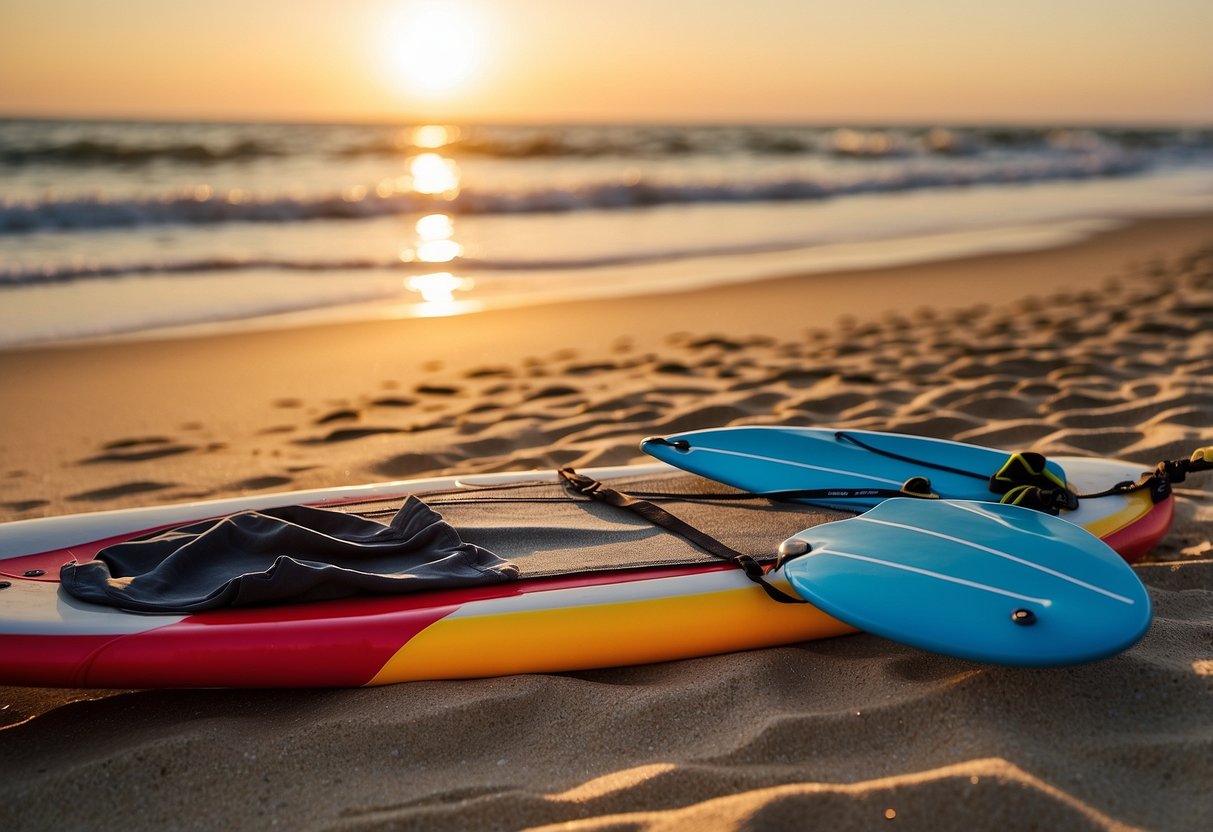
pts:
pixel 134 144
pixel 72 272
pixel 83 152
pixel 16 276
pixel 203 207
pixel 847 142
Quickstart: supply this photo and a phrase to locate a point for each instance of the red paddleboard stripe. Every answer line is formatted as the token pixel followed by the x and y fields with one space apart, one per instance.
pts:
pixel 50 661
pixel 340 643
pixel 1142 535
pixel 319 652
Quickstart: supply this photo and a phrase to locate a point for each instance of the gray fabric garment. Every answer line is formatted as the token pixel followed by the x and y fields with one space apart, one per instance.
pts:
pixel 283 555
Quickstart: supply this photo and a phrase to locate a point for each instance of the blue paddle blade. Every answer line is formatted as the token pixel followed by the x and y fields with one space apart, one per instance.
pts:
pixel 982 581
pixel 770 459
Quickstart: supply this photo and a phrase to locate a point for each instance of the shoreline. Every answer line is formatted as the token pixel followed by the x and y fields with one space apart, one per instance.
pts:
pixel 520 289
pixel 41 315
pixel 1110 245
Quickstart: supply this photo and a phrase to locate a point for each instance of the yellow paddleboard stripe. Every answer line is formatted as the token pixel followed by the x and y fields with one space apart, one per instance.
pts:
pixel 604 635
pixel 1137 505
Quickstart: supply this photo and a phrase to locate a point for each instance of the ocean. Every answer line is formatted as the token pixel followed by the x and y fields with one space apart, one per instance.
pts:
pixel 115 228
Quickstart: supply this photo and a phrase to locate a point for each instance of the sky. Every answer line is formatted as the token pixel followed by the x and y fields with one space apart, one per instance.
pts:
pixel 1071 61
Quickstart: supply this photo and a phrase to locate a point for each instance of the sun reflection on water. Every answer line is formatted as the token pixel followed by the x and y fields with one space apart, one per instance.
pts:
pixel 439 287
pixel 438 251
pixel 434 241
pixel 434 175
pixel 435 244
pixel 432 136
pixel 437 292
pixel 435 227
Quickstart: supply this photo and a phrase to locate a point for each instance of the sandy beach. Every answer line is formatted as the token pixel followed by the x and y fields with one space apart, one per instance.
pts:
pixel 1099 348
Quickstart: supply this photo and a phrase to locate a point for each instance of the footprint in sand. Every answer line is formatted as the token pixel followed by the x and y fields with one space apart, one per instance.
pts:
pixel 554 391
pixel 591 368
pixel 346 435
pixel 408 465
pixel 115 491
pixel 19 506
pixel 674 368
pixel 490 372
pixel 698 417
pixel 137 450
pixel 258 483
pixel 342 415
pixel 438 390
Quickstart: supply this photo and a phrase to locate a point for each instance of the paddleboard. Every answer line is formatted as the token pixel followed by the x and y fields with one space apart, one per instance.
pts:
pixel 534 625
pixel 763 459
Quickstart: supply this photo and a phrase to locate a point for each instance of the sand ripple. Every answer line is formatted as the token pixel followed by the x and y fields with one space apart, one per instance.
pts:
pixel 852 732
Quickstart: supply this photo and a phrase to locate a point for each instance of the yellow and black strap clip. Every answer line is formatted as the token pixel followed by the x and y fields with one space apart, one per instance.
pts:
pixel 1176 471
pixel 1025 480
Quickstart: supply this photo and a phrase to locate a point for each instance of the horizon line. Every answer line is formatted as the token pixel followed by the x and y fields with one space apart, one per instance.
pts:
pixel 574 121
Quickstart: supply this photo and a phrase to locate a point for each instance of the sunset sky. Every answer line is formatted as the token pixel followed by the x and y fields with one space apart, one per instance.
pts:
pixel 615 60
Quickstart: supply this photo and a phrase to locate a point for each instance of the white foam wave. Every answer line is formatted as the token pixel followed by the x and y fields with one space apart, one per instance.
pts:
pixel 206 208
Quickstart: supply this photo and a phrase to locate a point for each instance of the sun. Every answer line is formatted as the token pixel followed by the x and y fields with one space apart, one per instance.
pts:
pixel 436 46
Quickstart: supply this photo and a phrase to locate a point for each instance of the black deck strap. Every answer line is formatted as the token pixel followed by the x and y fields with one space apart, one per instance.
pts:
pixel 1158 481
pixel 843 436
pixel 1173 472
pixel 1178 470
pixel 661 518
pixel 1165 475
pixel 919 487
